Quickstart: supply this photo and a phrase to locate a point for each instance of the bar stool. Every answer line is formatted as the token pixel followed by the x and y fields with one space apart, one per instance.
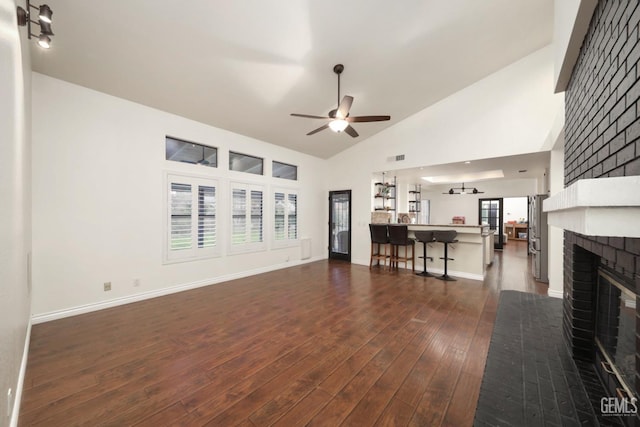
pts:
pixel 445 237
pixel 379 240
pixel 424 237
pixel 399 236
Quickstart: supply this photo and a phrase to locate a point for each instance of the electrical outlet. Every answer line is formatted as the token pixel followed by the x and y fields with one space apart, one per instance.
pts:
pixel 107 286
pixel 9 402
pixel 136 282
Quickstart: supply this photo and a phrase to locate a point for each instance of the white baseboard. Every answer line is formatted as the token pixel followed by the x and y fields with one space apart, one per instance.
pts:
pixel 15 413
pixel 87 308
pixel 555 293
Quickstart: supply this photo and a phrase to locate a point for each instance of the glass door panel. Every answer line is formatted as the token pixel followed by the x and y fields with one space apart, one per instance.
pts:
pixel 490 213
pixel 340 225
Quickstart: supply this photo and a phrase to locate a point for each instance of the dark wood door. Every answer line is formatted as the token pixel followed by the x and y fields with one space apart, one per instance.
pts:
pixel 490 212
pixel 340 225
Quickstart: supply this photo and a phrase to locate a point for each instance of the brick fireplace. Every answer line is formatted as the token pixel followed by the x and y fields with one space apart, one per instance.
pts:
pixel 599 208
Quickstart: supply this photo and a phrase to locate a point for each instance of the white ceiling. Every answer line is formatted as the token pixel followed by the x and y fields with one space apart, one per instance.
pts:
pixel 246 65
pixel 524 166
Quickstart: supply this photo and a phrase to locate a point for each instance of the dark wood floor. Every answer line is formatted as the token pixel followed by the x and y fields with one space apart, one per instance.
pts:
pixel 326 343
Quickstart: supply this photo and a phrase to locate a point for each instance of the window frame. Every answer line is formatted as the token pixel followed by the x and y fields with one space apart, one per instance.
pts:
pixel 194 253
pixel 248 245
pixel 287 241
pixel 204 146
pixel 273 162
pixel 231 153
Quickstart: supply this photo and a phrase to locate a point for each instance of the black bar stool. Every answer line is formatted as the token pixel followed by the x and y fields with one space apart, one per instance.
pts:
pixel 424 237
pixel 399 236
pixel 446 237
pixel 379 242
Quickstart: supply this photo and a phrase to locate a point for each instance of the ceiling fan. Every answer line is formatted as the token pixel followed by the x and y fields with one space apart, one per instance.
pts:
pixel 339 119
pixel 463 190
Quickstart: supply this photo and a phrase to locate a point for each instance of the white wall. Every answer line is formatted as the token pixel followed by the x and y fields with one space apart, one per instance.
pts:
pixel 510 112
pixel 556 235
pixel 515 209
pixel 445 206
pixel 15 209
pixel 98 188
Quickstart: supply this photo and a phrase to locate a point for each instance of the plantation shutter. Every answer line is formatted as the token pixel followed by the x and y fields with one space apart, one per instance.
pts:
pixel 279 218
pixel 191 225
pixel 239 217
pixel 206 217
pixel 256 216
pixel 181 238
pixel 292 218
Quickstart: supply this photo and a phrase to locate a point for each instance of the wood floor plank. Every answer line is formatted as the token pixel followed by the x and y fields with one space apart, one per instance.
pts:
pixel 325 343
pixel 305 409
pixel 173 412
pixel 396 414
pixel 462 406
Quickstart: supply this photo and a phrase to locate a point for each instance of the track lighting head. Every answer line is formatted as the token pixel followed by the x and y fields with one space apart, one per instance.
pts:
pixel 44 41
pixel 45 14
pixel 44 21
pixel 45 29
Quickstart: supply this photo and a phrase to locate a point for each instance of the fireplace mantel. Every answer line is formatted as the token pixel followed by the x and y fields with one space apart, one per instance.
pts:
pixel 598 207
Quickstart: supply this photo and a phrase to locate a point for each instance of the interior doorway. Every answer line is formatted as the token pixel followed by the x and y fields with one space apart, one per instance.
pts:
pixel 490 213
pixel 516 219
pixel 340 225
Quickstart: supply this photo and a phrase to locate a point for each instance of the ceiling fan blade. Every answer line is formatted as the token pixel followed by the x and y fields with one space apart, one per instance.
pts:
pixel 351 131
pixel 344 107
pixel 309 116
pixel 368 119
pixel 323 127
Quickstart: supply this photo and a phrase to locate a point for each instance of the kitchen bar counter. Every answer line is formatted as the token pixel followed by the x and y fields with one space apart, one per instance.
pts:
pixel 472 253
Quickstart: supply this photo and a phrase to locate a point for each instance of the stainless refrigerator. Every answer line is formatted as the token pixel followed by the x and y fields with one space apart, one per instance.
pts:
pixel 539 238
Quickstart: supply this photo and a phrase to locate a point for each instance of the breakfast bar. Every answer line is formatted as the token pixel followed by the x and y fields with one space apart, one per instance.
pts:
pixel 472 253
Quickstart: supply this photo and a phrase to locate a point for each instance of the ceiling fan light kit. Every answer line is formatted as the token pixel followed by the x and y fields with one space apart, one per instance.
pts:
pixel 339 119
pixel 338 125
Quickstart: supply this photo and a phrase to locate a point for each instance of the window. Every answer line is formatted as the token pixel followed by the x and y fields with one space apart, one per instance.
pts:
pixel 189 152
pixel 285 217
pixel 283 170
pixel 245 163
pixel 191 224
pixel 247 218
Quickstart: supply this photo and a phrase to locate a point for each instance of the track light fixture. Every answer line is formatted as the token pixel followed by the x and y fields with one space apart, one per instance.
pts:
pixel 463 190
pixel 44 22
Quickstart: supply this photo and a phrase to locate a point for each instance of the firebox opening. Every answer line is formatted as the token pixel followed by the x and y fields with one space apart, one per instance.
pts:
pixel 615 335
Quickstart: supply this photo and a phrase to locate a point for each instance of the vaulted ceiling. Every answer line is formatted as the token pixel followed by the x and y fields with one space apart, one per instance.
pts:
pixel 246 65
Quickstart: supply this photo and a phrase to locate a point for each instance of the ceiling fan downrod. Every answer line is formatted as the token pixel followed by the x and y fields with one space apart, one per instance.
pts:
pixel 338 69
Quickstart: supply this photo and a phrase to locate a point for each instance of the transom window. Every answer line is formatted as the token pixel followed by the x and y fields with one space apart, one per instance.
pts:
pixel 245 163
pixel 284 170
pixel 178 150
